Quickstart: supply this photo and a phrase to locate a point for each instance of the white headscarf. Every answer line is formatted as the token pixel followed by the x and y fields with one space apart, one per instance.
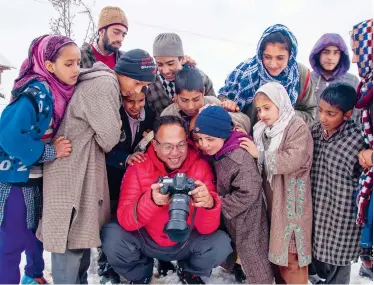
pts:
pixel 278 94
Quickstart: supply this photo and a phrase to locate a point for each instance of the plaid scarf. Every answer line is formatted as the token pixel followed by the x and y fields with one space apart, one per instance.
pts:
pixel 241 85
pixel 169 86
pixel 366 178
pixel 362 37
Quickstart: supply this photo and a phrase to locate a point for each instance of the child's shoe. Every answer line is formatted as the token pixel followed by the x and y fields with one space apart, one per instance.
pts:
pixel 28 280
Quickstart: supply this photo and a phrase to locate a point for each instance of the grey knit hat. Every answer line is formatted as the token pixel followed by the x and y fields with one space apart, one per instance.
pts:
pixel 168 44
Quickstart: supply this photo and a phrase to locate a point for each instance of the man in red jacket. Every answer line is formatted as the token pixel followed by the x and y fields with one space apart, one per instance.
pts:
pixel 138 237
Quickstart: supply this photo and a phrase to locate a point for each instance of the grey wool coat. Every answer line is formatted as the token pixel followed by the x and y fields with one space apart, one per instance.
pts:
pixel 244 213
pixel 76 200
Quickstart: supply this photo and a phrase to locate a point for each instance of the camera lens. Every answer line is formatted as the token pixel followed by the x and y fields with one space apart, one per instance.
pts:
pixel 177 228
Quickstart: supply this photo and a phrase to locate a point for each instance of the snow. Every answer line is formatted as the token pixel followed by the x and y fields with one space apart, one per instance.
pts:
pixel 219 275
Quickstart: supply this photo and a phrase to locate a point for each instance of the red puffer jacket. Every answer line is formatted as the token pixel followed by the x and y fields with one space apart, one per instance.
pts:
pixel 136 192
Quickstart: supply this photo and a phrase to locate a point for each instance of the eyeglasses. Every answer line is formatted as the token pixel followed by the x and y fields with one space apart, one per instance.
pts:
pixel 168 147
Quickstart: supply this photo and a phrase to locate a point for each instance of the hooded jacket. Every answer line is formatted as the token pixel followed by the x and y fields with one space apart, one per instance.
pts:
pixel 340 74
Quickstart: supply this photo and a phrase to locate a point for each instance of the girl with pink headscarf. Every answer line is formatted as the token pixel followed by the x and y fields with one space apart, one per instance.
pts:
pixel 27 125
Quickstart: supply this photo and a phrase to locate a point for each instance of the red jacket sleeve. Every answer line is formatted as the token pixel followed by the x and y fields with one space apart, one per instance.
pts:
pixel 133 200
pixel 207 220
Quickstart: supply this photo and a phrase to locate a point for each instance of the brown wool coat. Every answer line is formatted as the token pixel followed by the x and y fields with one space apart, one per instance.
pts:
pixel 75 188
pixel 244 213
pixel 289 196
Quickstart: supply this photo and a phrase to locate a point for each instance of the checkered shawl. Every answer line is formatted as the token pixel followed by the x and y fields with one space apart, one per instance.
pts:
pixel 366 179
pixel 362 37
pixel 241 84
pixel 335 174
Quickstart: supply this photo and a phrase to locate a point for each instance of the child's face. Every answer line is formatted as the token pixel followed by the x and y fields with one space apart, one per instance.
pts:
pixel 267 110
pixel 66 67
pixel 190 102
pixel 168 66
pixel 329 58
pixel 207 144
pixel 133 104
pixel 330 117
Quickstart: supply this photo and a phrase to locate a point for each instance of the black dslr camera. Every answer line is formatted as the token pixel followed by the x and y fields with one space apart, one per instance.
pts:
pixel 177 228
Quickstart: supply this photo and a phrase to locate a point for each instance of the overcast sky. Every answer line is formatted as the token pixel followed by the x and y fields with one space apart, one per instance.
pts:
pixel 218 34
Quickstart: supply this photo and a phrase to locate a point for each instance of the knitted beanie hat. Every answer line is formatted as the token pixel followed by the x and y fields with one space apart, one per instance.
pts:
pixel 214 121
pixel 168 44
pixel 112 16
pixel 137 64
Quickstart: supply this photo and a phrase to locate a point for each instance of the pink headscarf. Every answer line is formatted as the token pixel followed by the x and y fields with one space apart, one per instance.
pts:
pixel 42 49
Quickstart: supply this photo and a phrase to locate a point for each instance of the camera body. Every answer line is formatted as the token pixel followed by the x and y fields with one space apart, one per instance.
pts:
pixel 178 187
pixel 179 184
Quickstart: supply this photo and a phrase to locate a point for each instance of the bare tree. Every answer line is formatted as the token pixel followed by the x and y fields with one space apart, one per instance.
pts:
pixel 67 9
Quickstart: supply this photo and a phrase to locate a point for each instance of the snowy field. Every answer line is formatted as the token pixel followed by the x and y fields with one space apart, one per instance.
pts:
pixel 219 275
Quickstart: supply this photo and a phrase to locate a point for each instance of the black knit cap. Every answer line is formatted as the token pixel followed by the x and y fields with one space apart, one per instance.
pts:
pixel 137 64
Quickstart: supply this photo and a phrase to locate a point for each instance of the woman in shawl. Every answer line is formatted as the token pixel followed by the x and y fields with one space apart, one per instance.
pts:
pixel 275 60
pixel 362 46
pixel 27 125
pixel 284 149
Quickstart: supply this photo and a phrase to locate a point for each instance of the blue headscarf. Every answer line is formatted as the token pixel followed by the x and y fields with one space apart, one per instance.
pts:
pixel 241 85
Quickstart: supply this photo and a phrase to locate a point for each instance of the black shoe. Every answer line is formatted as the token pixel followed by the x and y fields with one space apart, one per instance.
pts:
pixel 142 281
pixel 239 273
pixel 164 266
pixel 366 272
pixel 188 278
pixel 110 277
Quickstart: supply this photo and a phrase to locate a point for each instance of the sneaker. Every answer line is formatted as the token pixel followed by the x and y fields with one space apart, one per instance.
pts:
pixel 163 267
pixel 366 272
pixel 28 280
pixel 188 278
pixel 142 281
pixel 239 274
pixel 110 277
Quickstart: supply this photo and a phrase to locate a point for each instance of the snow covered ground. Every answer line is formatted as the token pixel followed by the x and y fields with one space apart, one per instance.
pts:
pixel 219 275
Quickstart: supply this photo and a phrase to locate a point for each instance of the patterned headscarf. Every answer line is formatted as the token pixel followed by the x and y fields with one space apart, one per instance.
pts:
pixel 242 84
pixel 42 49
pixel 278 94
pixel 362 37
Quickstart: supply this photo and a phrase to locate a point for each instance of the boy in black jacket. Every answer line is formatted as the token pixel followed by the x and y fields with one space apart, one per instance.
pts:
pixel 137 120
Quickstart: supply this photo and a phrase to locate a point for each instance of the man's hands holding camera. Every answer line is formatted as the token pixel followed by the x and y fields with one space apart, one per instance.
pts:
pixel 200 196
pixel 157 197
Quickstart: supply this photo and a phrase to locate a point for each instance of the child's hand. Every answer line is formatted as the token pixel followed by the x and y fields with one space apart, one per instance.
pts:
pixel 230 106
pixel 365 158
pixel 62 146
pixel 135 157
pixel 189 60
pixel 249 146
